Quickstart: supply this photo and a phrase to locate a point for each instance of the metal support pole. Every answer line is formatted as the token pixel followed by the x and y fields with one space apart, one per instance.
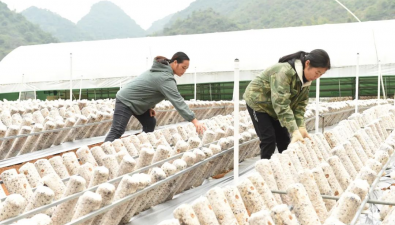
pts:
pixel 378 81
pixel 317 105
pixel 20 89
pixel 80 88
pixel 211 97
pixel 340 92
pixel 194 82
pixel 348 10
pixel 236 121
pixel 381 79
pixel 357 85
pixel 71 77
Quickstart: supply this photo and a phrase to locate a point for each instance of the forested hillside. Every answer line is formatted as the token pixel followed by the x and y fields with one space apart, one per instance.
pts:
pixel 107 21
pixel 63 29
pixel 259 14
pixel 201 21
pixel 15 31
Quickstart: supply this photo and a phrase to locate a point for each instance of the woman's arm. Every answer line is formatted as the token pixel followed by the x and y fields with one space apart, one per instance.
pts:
pixel 170 91
pixel 280 94
pixel 299 114
pixel 300 109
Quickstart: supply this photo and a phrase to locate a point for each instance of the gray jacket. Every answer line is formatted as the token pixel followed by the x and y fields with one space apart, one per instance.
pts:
pixel 150 88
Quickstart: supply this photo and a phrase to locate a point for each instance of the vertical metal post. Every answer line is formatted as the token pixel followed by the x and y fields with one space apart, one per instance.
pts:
pixel 323 124
pixel 317 105
pixel 80 88
pixel 236 121
pixel 378 82
pixel 195 89
pixel 340 92
pixel 21 86
pixel 71 77
pixel 357 85
pixel 382 82
pixel 211 97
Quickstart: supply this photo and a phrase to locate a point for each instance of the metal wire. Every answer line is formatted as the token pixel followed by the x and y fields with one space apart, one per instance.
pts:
pixel 114 204
pixel 372 187
pixel 215 107
pixel 337 198
pixel 142 169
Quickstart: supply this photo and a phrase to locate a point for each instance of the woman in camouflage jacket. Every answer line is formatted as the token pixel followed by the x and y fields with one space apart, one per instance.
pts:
pixel 277 99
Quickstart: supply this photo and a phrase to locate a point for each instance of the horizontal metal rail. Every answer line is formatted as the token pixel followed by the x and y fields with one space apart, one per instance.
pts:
pixel 136 157
pixel 123 200
pixel 64 147
pixel 337 112
pixel 54 130
pixel 337 198
pixel 17 160
pixel 203 108
pixel 95 123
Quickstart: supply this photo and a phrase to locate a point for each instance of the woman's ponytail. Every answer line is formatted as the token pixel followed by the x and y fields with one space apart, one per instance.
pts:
pixel 318 58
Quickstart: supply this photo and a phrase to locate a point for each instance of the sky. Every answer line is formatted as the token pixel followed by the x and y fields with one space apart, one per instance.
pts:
pixel 144 12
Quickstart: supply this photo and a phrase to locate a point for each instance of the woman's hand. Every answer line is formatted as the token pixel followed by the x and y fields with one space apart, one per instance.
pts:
pixel 152 112
pixel 304 132
pixel 297 136
pixel 200 128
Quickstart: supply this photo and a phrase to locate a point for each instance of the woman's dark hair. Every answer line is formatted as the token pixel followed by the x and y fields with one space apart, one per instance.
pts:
pixel 317 57
pixel 179 57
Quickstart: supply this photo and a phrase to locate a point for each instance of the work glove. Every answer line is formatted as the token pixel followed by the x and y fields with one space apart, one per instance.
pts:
pixel 297 136
pixel 304 132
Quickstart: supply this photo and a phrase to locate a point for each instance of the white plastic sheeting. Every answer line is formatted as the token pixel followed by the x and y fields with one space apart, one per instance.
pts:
pixel 110 62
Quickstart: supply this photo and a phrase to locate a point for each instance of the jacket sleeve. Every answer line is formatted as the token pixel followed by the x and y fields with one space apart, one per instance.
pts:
pixel 169 89
pixel 280 94
pixel 301 109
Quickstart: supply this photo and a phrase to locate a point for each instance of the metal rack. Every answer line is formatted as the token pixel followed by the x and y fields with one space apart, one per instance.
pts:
pixel 322 116
pixel 128 198
pixel 67 146
pixel 372 187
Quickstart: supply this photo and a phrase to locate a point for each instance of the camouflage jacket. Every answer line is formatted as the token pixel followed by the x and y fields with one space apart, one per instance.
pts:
pixel 280 92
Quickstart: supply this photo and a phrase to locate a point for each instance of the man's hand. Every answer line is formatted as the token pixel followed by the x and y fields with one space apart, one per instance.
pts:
pixel 152 112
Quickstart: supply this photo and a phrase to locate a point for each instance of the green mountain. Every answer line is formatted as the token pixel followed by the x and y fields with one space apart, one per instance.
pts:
pixel 258 14
pixel 107 21
pixel 158 25
pixel 61 28
pixel 16 31
pixel 201 21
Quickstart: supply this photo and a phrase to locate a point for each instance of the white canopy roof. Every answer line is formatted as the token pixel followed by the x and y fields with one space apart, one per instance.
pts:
pixel 111 62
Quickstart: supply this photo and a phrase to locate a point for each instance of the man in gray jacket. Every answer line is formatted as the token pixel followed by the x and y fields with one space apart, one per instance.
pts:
pixel 139 97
